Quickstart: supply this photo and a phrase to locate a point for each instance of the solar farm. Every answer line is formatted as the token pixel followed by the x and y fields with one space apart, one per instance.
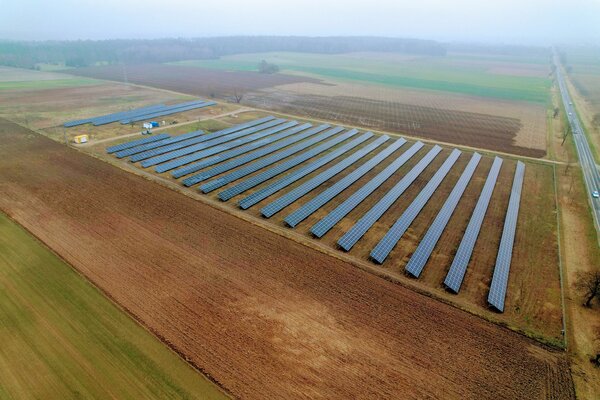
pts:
pixel 321 244
pixel 141 114
pixel 408 209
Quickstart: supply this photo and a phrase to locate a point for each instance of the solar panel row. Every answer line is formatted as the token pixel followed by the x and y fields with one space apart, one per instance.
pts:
pixel 260 164
pixel 126 119
pixel 252 156
pixel 200 143
pixel 136 142
pixel 260 195
pixel 461 260
pixel 328 194
pixel 499 284
pixel 366 222
pixel 168 111
pixel 114 116
pixel 427 244
pixel 391 238
pixel 127 114
pixel 178 173
pixel 325 224
pixel 274 207
pixel 159 143
pixel 198 152
pixel 239 138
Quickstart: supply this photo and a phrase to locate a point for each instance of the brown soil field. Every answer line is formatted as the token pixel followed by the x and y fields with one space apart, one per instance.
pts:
pixel 46 110
pixel 518 129
pixel 49 108
pixel 264 316
pixel 531 116
pixel 533 304
pixel 461 128
pixel 194 81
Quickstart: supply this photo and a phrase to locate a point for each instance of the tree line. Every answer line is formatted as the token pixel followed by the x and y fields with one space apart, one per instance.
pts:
pixel 81 53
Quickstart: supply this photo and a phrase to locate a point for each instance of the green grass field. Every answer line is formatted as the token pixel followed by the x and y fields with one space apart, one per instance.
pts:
pixel 60 338
pixel 462 74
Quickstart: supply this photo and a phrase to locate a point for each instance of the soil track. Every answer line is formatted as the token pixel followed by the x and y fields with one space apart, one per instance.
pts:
pixel 264 316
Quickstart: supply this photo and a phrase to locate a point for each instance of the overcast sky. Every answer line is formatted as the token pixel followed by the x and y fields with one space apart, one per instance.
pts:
pixel 503 21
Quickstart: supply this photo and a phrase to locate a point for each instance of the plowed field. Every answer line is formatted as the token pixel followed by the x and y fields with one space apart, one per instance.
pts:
pixel 264 316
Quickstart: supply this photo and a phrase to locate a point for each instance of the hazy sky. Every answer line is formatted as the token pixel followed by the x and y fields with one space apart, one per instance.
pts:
pixel 506 21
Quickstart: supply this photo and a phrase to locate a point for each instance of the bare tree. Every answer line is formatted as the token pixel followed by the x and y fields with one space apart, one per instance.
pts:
pixel 238 95
pixel 565 134
pixel 587 284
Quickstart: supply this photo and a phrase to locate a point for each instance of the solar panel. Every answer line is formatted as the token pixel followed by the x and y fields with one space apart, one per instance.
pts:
pixel 328 194
pixel 274 207
pixel 461 260
pixel 264 162
pixel 159 143
pixel 188 169
pixel 499 284
pixel 117 115
pixel 287 165
pixel 137 142
pixel 107 119
pixel 423 252
pixel 167 153
pixel 366 222
pixel 177 108
pixel 391 238
pixel 252 156
pixel 324 225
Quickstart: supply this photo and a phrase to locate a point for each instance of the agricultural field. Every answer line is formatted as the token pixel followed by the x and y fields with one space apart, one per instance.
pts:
pixel 522 80
pixel 260 326
pixel 533 305
pixel 495 102
pixel 62 338
pixel 45 108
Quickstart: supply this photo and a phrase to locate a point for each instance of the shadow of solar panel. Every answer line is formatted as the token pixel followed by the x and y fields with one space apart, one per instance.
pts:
pixel 424 249
pixel 391 238
pixel 228 166
pixel 168 153
pixel 325 224
pixel 191 168
pixel 270 209
pixel 499 284
pixel 327 195
pixel 159 143
pixel 262 194
pixel 349 239
pixel 264 162
pixel 133 143
pixel 461 260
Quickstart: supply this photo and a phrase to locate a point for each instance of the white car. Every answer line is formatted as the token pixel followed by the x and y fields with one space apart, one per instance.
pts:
pixel 595 194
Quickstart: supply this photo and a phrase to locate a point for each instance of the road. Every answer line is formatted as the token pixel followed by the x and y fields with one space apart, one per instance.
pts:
pixel 584 152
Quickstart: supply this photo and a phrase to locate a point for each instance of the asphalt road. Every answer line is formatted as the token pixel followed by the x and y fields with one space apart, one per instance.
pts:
pixel 584 152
